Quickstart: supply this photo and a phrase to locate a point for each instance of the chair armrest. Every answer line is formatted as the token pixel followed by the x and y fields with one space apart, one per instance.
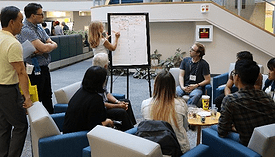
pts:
pixel 224 147
pixel 198 151
pixel 208 91
pixel 118 96
pixel 69 145
pixel 232 135
pixel 58 108
pixel 59 120
pixel 86 152
pixel 217 81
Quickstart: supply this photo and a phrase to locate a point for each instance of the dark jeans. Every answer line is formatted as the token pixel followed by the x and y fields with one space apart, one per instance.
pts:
pixel 44 88
pixel 13 121
pixel 126 116
pixel 218 101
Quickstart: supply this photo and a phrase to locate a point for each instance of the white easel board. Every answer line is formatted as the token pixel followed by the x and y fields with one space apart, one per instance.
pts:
pixel 133 49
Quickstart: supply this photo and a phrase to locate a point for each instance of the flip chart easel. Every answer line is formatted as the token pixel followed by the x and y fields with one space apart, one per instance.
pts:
pixel 133 49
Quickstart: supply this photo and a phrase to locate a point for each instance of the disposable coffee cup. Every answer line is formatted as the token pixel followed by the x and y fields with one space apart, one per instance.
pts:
pixel 29 69
pixel 205 102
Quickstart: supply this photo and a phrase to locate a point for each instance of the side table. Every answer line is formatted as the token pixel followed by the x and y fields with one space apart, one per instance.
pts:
pixel 208 122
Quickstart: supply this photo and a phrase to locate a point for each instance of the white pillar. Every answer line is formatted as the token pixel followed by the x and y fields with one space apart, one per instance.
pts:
pixel 239 7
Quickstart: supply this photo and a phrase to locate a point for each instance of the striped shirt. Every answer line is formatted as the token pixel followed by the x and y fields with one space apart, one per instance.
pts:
pixel 245 109
pixel 33 32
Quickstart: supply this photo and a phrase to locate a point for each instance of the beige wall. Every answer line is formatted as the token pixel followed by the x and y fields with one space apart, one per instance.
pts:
pixel 167 37
pixel 80 21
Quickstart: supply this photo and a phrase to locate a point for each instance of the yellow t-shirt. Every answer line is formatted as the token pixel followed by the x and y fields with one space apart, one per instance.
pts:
pixel 10 51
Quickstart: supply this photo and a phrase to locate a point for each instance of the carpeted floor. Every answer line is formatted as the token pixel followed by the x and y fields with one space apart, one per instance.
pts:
pixel 138 91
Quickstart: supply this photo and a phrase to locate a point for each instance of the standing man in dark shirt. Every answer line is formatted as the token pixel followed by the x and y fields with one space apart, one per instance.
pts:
pixel 41 58
pixel 194 75
pixel 247 108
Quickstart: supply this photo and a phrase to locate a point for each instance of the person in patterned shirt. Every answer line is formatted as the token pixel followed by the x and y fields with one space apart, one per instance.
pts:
pixel 41 58
pixel 247 108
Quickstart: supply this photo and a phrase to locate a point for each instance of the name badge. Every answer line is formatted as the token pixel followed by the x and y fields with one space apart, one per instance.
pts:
pixel 192 77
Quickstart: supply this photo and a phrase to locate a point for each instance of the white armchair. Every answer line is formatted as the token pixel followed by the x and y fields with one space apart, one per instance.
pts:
pixel 106 142
pixel 263 140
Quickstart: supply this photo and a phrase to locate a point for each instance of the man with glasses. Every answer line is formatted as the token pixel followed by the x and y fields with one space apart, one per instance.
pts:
pixel 247 108
pixel 194 75
pixel 41 58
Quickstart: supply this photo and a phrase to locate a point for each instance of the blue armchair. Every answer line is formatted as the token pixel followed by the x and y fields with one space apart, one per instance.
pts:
pixel 219 83
pixel 47 139
pixel 225 147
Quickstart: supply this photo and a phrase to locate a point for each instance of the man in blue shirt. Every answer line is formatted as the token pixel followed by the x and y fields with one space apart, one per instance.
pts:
pixel 41 58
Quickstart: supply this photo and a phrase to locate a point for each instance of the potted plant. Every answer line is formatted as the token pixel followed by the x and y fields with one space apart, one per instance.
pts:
pixel 173 61
pixel 155 58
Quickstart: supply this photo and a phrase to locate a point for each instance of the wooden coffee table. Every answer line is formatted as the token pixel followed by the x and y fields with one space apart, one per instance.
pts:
pixel 208 122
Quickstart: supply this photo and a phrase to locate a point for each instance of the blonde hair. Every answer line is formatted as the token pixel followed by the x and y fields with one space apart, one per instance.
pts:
pixel 94 33
pixel 163 102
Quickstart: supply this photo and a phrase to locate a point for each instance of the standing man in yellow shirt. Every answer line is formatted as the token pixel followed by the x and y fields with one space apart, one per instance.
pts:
pixel 13 121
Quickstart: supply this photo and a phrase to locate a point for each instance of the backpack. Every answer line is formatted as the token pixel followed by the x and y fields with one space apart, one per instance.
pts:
pixel 162 133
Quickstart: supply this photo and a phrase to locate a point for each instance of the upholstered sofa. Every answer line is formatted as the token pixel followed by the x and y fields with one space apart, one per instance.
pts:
pixel 111 142
pixel 63 96
pixel 47 138
pixel 262 143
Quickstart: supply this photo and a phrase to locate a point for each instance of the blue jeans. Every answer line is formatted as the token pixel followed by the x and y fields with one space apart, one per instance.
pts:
pixel 194 96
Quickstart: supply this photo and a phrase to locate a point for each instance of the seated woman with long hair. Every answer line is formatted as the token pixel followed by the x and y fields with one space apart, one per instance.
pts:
pixel 165 106
pixel 86 108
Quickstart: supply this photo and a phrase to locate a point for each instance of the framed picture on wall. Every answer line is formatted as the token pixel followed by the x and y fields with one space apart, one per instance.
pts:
pixel 204 33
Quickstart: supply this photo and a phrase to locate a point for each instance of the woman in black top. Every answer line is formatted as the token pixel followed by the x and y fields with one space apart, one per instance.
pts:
pixel 86 108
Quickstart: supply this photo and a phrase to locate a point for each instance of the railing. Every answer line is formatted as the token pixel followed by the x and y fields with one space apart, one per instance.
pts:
pixel 259 12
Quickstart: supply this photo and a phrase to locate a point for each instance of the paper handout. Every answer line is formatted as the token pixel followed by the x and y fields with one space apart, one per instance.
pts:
pixel 28 49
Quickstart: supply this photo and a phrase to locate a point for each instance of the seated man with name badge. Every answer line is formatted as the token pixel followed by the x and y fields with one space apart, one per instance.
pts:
pixel 194 75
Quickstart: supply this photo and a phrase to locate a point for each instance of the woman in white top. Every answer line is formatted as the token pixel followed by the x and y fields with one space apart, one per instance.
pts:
pixel 97 41
pixel 165 106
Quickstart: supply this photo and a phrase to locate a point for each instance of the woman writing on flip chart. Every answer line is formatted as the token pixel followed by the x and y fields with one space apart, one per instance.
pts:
pixel 97 41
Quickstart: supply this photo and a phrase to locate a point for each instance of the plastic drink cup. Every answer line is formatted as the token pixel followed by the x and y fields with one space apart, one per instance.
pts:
pixel 29 69
pixel 205 102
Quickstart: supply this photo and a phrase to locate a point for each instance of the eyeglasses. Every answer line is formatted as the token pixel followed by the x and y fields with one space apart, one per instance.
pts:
pixel 233 73
pixel 40 14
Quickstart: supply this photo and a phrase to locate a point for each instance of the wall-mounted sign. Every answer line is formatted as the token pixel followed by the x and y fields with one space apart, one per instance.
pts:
pixel 205 8
pixel 204 33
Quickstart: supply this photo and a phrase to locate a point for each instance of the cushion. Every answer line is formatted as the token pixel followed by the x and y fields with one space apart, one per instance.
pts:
pixel 175 72
pixel 64 94
pixel 263 140
pixel 120 144
pixel 42 125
